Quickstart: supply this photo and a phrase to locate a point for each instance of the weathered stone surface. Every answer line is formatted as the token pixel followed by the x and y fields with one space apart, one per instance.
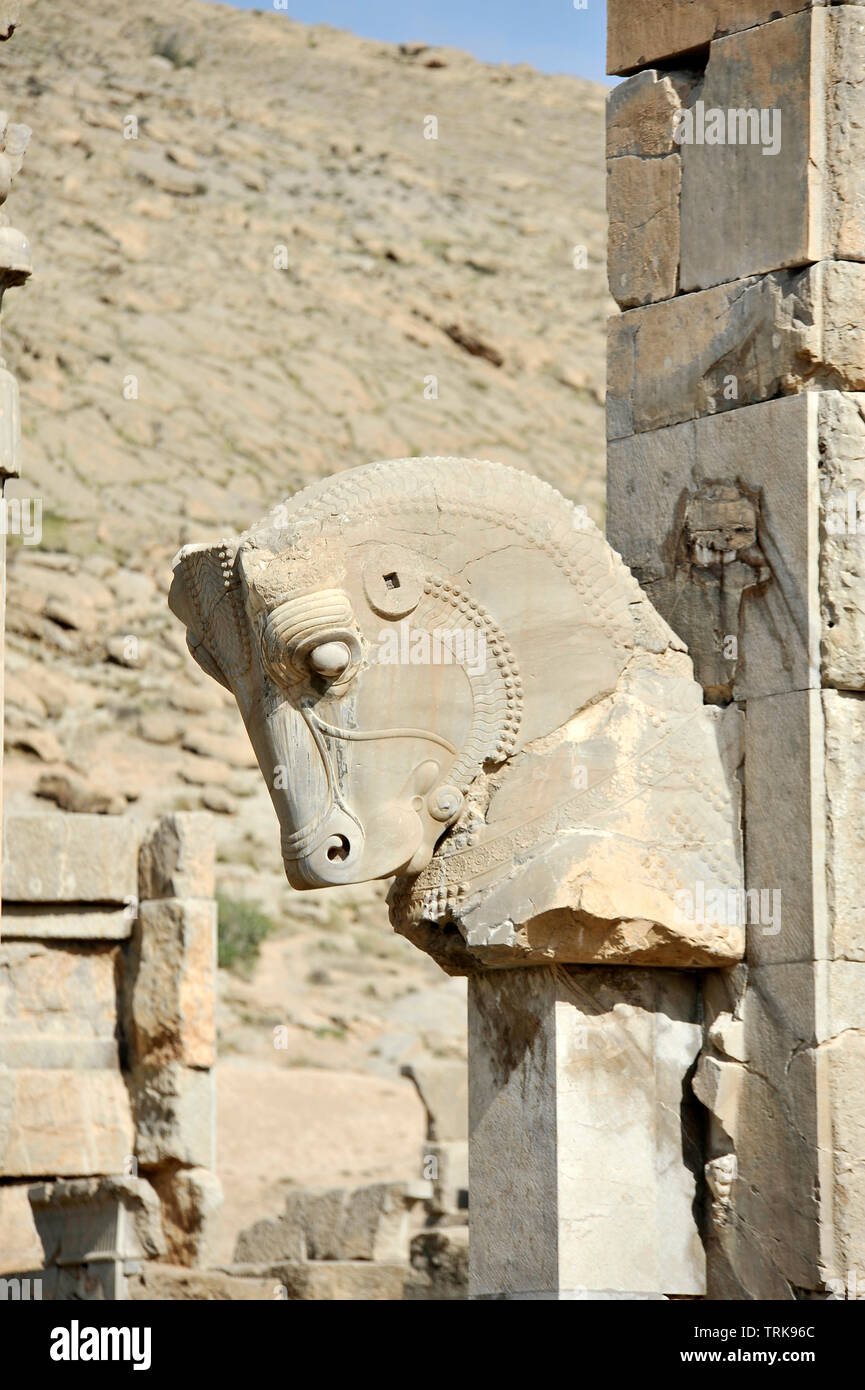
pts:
pixel 64 993
pixel 643 246
pixel 717 519
pixel 174 1115
pixel 364 1223
pixel 641 114
pixel 443 1088
pixel 440 1265
pixel 843 1059
pixel 191 1205
pixel 548 735
pixel 844 715
pixel 719 349
pixel 172 981
pixel 842 538
pixel 63 1121
pixel 20 1246
pixel 576 1087
pixel 745 212
pixel 784 741
pixel 340 1281
pixel 652 30
pixel 177 858
pixel 763 1079
pixel 87 1217
pixel 68 924
pixel 54 858
pixel 177 1284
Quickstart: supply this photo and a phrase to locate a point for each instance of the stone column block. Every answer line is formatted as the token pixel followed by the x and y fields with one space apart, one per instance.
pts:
pixel 58 858
pixel 652 31
pixel 177 858
pixel 173 984
pixel 643 256
pixel 719 521
pixel 576 1075
pixel 174 1112
pixel 784 182
pixel 736 345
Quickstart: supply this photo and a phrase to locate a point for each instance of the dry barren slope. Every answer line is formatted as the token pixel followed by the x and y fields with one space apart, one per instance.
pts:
pixel 279 260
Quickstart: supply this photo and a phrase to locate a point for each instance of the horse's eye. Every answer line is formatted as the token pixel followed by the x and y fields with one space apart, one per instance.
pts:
pixel 330 659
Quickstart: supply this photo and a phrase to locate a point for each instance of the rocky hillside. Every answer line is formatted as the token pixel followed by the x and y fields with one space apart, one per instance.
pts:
pixel 250 263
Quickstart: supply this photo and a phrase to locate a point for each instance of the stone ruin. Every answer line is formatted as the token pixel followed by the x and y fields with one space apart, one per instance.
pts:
pixel 451 679
pixel 107 1038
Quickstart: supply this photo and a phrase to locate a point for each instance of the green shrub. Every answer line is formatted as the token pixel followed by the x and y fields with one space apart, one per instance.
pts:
pixel 242 928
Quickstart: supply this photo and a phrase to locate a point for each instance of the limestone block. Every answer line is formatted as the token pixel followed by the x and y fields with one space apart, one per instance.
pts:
pixel 843 1060
pixel 178 1284
pixel 88 1220
pixel 56 858
pixel 767 1151
pixel 66 924
pixel 718 520
pixel 844 716
pixel 66 994
pixel 340 1281
pixel 576 1079
pixel 784 742
pixel 177 858
pixel 440 1265
pixel 20 1246
pixel 734 345
pixel 173 982
pixel 270 1240
pixel 795 192
pixel 364 1223
pixel 548 783
pixel 191 1206
pixel 63 1121
pixel 174 1114
pixel 746 210
pixel 641 113
pixel 771 1188
pixel 443 1089
pixel 653 30
pixel 643 244
pixel 842 538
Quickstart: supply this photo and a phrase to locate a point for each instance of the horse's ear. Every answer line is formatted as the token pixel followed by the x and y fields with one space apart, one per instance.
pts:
pixel 204 598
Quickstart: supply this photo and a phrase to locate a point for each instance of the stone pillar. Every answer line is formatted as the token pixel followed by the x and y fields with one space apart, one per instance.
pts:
pixel 585 1146
pixel 15 267
pixel 169 1012
pixel 736 468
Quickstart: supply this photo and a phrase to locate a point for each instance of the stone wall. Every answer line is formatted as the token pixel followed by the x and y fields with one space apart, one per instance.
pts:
pixel 736 468
pixel 107 1037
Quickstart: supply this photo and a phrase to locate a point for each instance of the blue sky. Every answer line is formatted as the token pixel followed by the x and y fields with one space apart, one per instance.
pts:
pixel 550 34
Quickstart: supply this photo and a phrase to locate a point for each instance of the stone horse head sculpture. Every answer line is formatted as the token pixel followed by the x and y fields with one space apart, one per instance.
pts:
pixel 451 680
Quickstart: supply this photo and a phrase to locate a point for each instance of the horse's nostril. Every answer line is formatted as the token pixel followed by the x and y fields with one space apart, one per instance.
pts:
pixel 338 848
